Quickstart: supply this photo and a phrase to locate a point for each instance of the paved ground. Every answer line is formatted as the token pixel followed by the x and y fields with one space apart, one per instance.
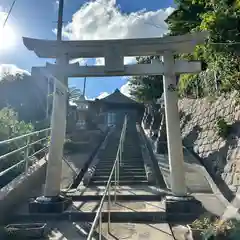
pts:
pixel 73 231
pixel 195 181
pixel 69 230
pixel 137 231
pixel 211 203
pixel 92 206
pixel 124 190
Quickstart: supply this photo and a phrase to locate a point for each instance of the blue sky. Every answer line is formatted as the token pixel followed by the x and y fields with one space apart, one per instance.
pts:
pixel 101 19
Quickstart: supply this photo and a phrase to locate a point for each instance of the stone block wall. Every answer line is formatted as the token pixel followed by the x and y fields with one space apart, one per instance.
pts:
pixel 199 132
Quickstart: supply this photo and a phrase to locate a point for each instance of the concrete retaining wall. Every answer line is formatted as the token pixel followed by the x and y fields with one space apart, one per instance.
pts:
pixel 22 188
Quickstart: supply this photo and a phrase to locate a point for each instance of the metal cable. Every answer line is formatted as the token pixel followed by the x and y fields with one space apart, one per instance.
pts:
pixel 9 13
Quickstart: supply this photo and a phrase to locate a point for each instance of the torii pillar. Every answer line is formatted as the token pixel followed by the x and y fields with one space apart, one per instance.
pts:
pixel 175 151
pixel 52 201
pixel 180 202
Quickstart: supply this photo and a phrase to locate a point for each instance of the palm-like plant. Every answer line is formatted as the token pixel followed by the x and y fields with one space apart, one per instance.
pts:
pixel 74 94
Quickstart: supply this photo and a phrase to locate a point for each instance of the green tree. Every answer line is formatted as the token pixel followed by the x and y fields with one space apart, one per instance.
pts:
pixel 25 94
pixel 146 88
pixel 11 127
pixel 221 18
pixel 187 16
pixel 74 94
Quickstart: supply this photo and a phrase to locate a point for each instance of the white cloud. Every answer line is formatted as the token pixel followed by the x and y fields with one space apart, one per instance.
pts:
pixel 10 69
pixel 89 98
pixel 130 60
pixel 56 5
pixel 102 19
pixel 125 89
pixel 81 61
pixel 103 95
pixel 100 61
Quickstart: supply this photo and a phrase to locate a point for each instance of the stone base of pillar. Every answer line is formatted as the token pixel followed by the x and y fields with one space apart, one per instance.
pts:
pixel 181 209
pixel 43 204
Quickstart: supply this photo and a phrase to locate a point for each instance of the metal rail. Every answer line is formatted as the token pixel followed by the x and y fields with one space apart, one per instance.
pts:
pixel 107 192
pixel 26 148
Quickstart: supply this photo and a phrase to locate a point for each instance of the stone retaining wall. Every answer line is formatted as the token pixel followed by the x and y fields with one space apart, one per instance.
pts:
pixel 199 131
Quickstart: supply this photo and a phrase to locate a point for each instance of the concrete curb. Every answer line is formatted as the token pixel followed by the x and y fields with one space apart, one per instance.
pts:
pixel 20 189
pixel 146 158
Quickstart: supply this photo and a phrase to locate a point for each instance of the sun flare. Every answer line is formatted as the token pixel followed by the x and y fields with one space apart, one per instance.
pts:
pixel 7 38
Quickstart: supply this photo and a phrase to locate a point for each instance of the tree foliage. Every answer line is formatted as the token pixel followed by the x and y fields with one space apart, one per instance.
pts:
pixel 23 102
pixel 11 127
pixel 74 94
pixel 146 88
pixel 221 18
pixel 25 95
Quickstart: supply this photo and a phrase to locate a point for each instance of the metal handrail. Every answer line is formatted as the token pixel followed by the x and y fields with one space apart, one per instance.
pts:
pixel 115 169
pixel 26 149
pixel 24 136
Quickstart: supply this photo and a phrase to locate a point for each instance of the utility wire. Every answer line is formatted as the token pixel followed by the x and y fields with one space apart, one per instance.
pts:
pixel 148 23
pixel 9 13
pixel 159 26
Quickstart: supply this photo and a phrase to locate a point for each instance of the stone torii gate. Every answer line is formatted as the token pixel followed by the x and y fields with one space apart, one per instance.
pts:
pixel 114 52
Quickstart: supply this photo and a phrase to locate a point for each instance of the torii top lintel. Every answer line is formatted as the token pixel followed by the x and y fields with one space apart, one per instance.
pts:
pixel 124 47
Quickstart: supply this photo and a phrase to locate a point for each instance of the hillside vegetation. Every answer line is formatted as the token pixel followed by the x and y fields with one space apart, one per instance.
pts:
pixel 220 53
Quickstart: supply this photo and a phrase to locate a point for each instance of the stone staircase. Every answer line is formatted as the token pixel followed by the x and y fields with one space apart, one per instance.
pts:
pixel 131 170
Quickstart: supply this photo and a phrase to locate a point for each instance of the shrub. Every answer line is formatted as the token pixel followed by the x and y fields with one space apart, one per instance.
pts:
pixel 211 225
pixel 204 222
pixel 222 127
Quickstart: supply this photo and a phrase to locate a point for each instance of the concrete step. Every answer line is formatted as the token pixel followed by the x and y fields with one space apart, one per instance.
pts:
pixel 121 174
pixel 131 165
pixel 107 160
pixel 130 169
pixel 122 182
pixel 124 163
pixel 120 197
pixel 134 164
pixel 124 158
pixel 107 154
pixel 132 155
pixel 135 172
pixel 121 177
pixel 132 158
pixel 116 217
pixel 123 169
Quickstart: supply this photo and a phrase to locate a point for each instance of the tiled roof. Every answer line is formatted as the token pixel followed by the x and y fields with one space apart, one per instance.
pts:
pixel 118 97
